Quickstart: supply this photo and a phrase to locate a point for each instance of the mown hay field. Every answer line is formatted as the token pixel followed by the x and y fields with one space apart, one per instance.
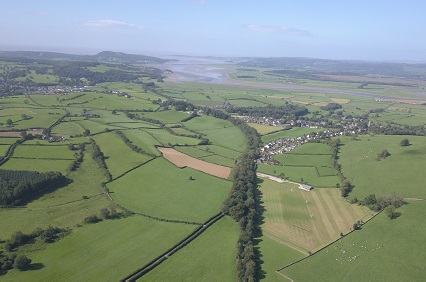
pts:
pixel 306 220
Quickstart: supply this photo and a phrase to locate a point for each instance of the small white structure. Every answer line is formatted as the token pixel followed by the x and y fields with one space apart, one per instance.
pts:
pixel 305 187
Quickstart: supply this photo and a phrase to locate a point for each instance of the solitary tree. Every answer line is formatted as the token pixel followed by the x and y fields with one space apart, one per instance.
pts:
pixel 9 122
pixel 22 262
pixel 391 213
pixel 404 142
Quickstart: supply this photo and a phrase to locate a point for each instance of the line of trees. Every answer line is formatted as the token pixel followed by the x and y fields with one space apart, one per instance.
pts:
pixel 242 202
pixel 20 261
pixel 133 147
pixel 99 158
pixel 388 203
pixel 78 155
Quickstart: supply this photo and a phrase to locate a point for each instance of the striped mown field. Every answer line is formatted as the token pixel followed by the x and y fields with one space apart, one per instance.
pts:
pixel 306 221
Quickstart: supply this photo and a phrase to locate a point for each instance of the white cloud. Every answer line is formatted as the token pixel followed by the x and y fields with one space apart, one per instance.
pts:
pixel 277 29
pixel 111 24
pixel 199 2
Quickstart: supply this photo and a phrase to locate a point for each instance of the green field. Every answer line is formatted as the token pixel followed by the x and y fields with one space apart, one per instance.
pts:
pixel 7 140
pixel 68 129
pixel 219 132
pixel 132 242
pixel 63 207
pixel 143 140
pixel 390 250
pixel 160 189
pixel 43 152
pixel 215 248
pixel 165 138
pixel 310 163
pixel 274 255
pixel 113 149
pixel 170 116
pixel 292 222
pixel 400 173
pixel 211 153
pixel 42 165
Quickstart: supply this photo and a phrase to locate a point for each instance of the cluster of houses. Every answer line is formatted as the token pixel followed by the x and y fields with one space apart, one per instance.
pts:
pixel 12 88
pixel 54 138
pixel 280 146
pixel 281 122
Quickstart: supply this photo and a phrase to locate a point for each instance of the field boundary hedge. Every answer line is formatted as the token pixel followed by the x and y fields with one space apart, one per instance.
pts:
pixel 165 255
pixel 126 172
pixel 9 152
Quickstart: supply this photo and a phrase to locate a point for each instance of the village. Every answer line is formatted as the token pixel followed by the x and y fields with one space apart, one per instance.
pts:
pixel 347 127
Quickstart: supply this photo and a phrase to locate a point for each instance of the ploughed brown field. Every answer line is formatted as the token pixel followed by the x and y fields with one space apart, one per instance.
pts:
pixel 182 160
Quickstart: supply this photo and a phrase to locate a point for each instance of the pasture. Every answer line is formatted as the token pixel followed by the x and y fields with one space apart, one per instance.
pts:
pixel 400 173
pixel 67 129
pixel 306 220
pixel 310 163
pixel 143 140
pixel 160 189
pixel 215 248
pixel 211 153
pixel 8 140
pixel 113 148
pixel 274 255
pixel 170 116
pixel 389 249
pixel 43 152
pixel 42 165
pixel 131 241
pixel 63 207
pixel 165 138
pixel 220 132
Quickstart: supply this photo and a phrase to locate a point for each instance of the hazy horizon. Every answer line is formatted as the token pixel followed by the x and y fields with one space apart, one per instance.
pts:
pixel 368 31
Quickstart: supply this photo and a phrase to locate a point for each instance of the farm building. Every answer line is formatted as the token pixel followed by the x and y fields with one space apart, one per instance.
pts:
pixel 305 187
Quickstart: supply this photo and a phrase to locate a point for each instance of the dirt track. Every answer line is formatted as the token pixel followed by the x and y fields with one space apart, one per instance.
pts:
pixel 182 160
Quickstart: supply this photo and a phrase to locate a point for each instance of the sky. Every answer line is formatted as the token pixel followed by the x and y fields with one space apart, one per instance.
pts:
pixel 391 30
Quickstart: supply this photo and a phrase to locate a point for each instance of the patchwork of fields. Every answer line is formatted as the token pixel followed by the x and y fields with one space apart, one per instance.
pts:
pixel 310 163
pixel 164 172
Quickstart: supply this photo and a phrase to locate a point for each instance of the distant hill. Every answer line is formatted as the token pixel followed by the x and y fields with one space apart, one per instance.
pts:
pixel 102 57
